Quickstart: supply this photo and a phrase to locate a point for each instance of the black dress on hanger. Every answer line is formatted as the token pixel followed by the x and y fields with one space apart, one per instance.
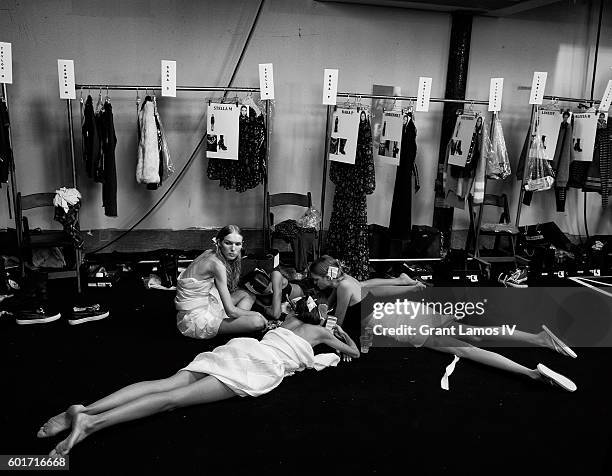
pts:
pixel 347 238
pixel 401 209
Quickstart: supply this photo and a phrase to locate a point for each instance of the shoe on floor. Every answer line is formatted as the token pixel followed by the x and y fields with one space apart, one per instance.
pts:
pixel 556 379
pixel 518 279
pixel 82 314
pixel 559 345
pixel 40 315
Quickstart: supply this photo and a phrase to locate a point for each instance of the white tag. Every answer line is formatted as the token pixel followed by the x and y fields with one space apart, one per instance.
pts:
pixel 424 94
pixel 310 303
pixel 266 81
pixel 168 78
pixel 6 63
pixel 276 260
pixel 331 323
pixel 332 272
pixel 605 100
pixel 330 86
pixel 65 73
pixel 537 87
pixel 495 94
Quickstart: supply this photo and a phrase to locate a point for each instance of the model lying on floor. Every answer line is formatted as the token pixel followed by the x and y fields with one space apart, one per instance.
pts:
pixel 244 366
pixel 208 300
pixel 350 291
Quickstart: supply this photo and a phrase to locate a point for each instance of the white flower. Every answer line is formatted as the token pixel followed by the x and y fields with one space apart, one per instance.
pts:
pixel 65 197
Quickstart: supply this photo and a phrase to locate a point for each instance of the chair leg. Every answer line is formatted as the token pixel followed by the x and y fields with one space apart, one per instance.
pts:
pixel 78 269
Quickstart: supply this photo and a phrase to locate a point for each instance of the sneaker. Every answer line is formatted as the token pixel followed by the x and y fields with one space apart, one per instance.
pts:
pixel 40 315
pixel 502 278
pixel 518 278
pixel 83 314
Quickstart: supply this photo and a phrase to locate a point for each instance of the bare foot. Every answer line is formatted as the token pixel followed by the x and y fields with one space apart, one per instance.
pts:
pixel 406 280
pixel 81 427
pixel 59 422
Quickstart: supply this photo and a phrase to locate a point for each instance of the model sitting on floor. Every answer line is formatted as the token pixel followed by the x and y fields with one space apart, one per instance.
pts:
pixel 208 300
pixel 348 291
pixel 244 366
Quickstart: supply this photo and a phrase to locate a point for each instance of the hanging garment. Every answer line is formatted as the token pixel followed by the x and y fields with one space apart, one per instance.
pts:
pixel 6 154
pixel 109 172
pixel 458 185
pixel 498 164
pixel 90 136
pixel 98 155
pixel 147 168
pixel 564 154
pixel 348 228
pixel 400 223
pixel 599 175
pixel 249 170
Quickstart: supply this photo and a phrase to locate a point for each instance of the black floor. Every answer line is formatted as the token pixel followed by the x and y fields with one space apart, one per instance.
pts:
pixel 384 413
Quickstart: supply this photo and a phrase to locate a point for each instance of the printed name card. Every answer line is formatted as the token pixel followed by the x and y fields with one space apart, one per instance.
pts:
pixel 266 81
pixel 424 94
pixel 65 73
pixel 605 101
pixel 168 78
pixel 330 86
pixel 6 63
pixel 496 91
pixel 537 87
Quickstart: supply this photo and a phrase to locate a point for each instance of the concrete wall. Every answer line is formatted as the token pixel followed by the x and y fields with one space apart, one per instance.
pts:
pixel 123 42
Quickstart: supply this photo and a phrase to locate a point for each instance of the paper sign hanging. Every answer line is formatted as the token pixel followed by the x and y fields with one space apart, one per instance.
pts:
pixel 424 94
pixel 65 73
pixel 549 123
pixel 391 137
pixel 6 63
pixel 537 87
pixel 460 145
pixel 345 129
pixel 168 78
pixel 606 99
pixel 266 81
pixel 330 86
pixel 222 131
pixel 583 140
pixel 496 91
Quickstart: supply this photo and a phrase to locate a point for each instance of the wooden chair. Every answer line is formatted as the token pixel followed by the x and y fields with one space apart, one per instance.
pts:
pixel 288 199
pixel 492 229
pixel 28 240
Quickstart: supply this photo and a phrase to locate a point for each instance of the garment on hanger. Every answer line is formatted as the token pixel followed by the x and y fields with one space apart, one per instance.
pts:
pixel 249 170
pixel 108 139
pixel 90 136
pixel 6 154
pixel 347 238
pixel 564 154
pixel 147 168
pixel 400 222
pixel 599 174
pixel 458 184
pixel 166 167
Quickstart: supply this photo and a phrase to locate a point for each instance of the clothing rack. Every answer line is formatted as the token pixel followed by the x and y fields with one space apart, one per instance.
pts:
pixel 531 127
pixel 144 88
pixel 12 173
pixel 368 96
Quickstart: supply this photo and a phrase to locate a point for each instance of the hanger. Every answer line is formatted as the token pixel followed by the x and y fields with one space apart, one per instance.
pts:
pixel 107 98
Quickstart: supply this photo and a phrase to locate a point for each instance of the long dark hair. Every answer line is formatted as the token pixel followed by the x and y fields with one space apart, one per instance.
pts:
pixel 306 316
pixel 234 267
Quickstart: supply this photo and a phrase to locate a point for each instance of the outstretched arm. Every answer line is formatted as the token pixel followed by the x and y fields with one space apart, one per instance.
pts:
pixel 331 340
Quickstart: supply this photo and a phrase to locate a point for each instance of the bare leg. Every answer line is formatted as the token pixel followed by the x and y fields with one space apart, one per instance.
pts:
pixel 459 348
pixel 402 280
pixel 63 421
pixel 208 389
pixel 242 325
pixel 541 339
pixel 243 299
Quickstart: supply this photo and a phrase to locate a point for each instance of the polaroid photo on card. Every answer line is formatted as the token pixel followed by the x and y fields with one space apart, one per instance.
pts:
pixel 332 272
pixel 310 303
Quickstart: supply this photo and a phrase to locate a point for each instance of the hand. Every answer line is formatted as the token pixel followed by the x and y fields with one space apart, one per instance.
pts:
pixel 346 358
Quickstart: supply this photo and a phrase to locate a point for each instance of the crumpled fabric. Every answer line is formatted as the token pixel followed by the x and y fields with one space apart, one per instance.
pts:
pixel 450 368
pixel 498 164
pixel 65 197
pixel 67 202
